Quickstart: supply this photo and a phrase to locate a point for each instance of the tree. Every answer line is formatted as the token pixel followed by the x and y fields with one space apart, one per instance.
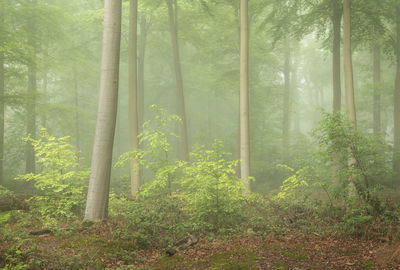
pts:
pixel 244 94
pixel 2 107
pixel 396 112
pixel 286 95
pixel 348 64
pixel 99 181
pixel 32 89
pixel 337 92
pixel 172 14
pixel 377 81
pixel 133 95
pixel 144 28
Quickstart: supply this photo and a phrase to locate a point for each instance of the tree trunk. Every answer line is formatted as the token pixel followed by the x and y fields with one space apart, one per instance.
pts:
pixel 77 120
pixel 133 101
pixel 2 106
pixel 31 95
pixel 295 97
pixel 286 97
pixel 99 182
pixel 337 92
pixel 179 81
pixel 348 64
pixel 244 94
pixel 144 24
pixel 336 81
pixel 45 83
pixel 377 94
pixel 396 114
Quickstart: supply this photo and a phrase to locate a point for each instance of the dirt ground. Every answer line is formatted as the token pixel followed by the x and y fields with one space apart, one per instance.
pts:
pixel 287 252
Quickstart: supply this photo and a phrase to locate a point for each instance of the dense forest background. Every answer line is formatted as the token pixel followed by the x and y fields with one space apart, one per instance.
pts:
pixel 323 95
pixel 65 48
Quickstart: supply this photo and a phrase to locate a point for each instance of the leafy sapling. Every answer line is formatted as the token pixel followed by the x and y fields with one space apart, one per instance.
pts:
pixel 61 178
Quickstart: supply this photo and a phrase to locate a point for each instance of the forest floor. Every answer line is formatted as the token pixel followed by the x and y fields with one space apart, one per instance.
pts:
pixel 100 248
pixel 288 252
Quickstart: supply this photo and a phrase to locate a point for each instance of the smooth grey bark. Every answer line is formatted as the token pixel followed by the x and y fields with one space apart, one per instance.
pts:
pixel 286 96
pixel 179 81
pixel 336 21
pixel 31 95
pixel 348 63
pixel 99 182
pixel 244 95
pixel 77 120
pixel 2 105
pixel 377 94
pixel 295 96
pixel 45 83
pixel 396 104
pixel 133 96
pixel 144 25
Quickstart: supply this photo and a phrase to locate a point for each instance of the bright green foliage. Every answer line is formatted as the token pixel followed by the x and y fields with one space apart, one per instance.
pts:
pixel 5 192
pixel 291 185
pixel 336 135
pixel 212 189
pixel 207 189
pixel 156 151
pixel 362 161
pixel 61 179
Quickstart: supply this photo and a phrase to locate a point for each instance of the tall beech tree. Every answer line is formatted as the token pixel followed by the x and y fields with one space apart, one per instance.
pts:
pixel 396 100
pixel 348 63
pixel 2 90
pixel 133 95
pixel 173 21
pixel 144 28
pixel 244 94
pixel 32 89
pixel 336 81
pixel 286 95
pixel 377 82
pixel 99 182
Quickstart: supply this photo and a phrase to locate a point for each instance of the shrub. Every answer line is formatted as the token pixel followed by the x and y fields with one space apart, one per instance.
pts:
pixel 61 179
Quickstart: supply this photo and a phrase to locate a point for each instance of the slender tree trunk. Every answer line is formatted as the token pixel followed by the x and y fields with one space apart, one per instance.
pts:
pixel 348 64
pixel 133 95
pixel 179 81
pixel 244 94
pixel 2 106
pixel 396 114
pixel 45 84
pixel 77 120
pixel 336 81
pixel 337 92
pixel 144 24
pixel 348 81
pixel 377 94
pixel 31 103
pixel 286 97
pixel 296 97
pixel 99 182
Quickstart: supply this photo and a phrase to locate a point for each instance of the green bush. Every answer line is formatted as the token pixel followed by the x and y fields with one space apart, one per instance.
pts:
pixel 213 192
pixel 198 196
pixel 61 179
